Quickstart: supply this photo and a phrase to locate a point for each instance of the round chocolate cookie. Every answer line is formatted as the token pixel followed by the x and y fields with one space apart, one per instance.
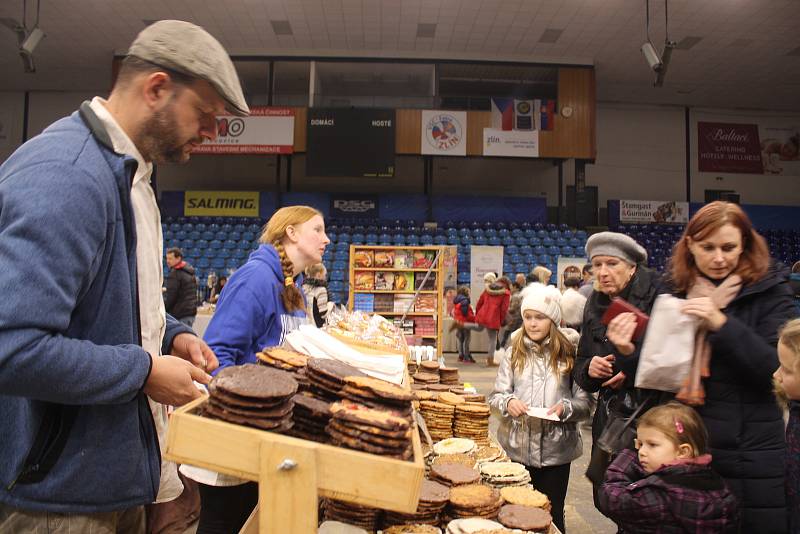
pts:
pixel 255 382
pixel 524 517
pixel 312 405
pixel 455 474
pixel 332 370
pixel 433 493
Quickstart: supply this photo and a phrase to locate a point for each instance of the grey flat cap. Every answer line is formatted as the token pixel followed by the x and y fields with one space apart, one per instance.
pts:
pixel 190 50
pixel 617 245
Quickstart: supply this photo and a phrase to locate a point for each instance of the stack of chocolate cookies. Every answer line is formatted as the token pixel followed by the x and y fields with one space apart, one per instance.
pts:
pixel 503 474
pixel 454 475
pixel 424 378
pixel 474 500
pixel 326 377
pixel 474 397
pixel 286 360
pixel 252 395
pixel 439 388
pixel 438 418
pixel 433 498
pixel 457 458
pixel 378 394
pixel 429 366
pixel 310 416
pixel 526 496
pixel 449 375
pixel 472 421
pixel 526 518
pixel 357 427
pixel 352 514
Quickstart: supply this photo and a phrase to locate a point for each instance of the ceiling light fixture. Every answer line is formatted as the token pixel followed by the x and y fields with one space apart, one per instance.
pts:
pixel 27 39
pixel 658 61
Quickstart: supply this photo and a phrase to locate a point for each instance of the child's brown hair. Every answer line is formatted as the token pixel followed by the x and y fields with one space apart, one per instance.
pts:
pixel 789 336
pixel 680 423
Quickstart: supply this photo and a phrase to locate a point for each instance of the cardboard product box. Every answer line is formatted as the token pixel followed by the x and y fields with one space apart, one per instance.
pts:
pixel 363 258
pixel 430 283
pixel 425 326
pixel 407 326
pixel 384 281
pixel 423 258
pixel 404 281
pixel 384 258
pixel 403 259
pixel 401 302
pixel 364 280
pixel 425 303
pixel 364 302
pixel 383 303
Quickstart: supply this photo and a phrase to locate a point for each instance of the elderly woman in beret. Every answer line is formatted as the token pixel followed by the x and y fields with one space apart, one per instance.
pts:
pixel 607 354
pixel 722 266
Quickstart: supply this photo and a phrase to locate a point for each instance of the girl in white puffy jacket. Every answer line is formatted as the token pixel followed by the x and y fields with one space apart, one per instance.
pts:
pixel 536 373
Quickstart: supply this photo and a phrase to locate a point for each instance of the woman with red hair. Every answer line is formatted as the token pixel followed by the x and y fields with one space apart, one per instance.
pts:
pixel 721 265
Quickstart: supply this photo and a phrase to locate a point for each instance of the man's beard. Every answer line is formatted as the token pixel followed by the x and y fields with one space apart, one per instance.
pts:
pixel 160 140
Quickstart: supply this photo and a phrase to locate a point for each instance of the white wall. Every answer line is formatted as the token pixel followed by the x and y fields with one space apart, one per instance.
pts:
pixel 783 190
pixel 46 107
pixel 641 153
pixel 12 113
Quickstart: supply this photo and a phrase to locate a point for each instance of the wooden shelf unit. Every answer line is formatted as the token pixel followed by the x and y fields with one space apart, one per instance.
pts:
pixel 292 472
pixel 436 269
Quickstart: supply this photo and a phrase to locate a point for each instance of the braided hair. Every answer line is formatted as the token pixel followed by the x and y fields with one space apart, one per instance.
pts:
pixel 273 234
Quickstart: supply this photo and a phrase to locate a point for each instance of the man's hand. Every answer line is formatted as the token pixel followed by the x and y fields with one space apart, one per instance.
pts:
pixel 193 349
pixel 600 366
pixel 171 381
pixel 516 407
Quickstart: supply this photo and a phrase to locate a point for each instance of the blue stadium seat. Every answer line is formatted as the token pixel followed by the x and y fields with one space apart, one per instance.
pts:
pixel 399 239
pixel 495 241
pixel 503 232
pixel 490 233
pixel 230 244
pixel 512 249
pixel 527 249
pixel 340 255
pixel 203 263
pixel 478 232
pixel 516 258
pixel 426 240
pixel 529 233
pixel 227 227
pixel 553 250
pixel 218 263
pixel 224 253
pixel 544 259
pixel 547 241
pixel 240 254
pixel 239 228
pixel 440 240
pixel 412 240
pixel 233 263
pixel 567 251
pixel 516 232
pixel 521 241
pixel 194 235
pixel 463 277
pixel 344 237
pixel 480 240
pixel 519 268
pixel 337 275
pixel 215 243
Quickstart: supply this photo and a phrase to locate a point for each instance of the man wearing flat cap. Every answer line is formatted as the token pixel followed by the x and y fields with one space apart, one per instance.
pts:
pixel 85 344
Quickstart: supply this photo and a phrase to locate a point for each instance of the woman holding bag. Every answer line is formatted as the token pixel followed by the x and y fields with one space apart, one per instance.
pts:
pixel 722 267
pixel 608 354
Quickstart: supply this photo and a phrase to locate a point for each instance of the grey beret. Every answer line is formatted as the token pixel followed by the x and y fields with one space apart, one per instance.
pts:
pixel 190 50
pixel 617 245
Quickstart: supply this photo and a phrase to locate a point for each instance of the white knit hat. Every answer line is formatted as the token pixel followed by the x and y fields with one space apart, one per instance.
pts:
pixel 489 278
pixel 543 299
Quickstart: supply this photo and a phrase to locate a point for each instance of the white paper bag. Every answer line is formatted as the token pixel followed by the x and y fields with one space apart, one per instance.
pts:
pixel 668 347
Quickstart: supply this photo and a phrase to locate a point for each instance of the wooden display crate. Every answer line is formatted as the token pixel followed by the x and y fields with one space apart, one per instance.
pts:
pixel 293 472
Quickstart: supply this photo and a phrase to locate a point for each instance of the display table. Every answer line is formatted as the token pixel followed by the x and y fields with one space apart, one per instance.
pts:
pixel 292 473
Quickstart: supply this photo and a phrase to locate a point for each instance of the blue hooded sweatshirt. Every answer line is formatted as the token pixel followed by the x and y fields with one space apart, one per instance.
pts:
pixel 250 314
pixel 76 433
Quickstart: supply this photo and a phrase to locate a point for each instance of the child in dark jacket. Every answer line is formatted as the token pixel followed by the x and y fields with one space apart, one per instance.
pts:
pixel 670 486
pixel 463 315
pixel 787 387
